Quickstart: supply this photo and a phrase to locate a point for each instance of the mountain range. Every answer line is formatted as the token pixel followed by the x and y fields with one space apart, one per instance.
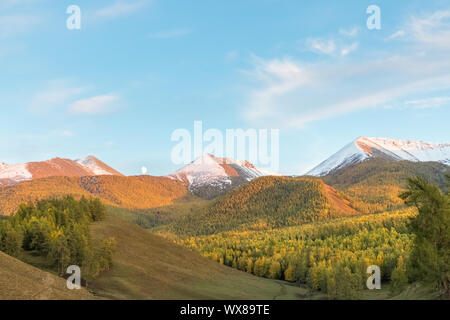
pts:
pixel 88 166
pixel 207 177
pixel 365 148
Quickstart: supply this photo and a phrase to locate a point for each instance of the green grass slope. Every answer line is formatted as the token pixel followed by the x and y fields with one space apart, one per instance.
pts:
pixel 20 281
pixel 147 266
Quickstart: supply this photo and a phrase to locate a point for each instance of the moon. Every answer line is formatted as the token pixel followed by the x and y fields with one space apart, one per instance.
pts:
pixel 144 170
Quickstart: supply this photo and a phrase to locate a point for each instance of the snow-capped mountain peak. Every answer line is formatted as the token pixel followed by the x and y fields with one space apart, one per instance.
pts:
pixel 217 173
pixel 96 166
pixel 396 150
pixel 89 166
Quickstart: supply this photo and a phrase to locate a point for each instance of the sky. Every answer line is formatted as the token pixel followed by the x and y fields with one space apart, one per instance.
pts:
pixel 138 70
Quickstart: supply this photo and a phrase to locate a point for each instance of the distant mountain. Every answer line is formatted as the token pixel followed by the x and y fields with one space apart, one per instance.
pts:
pixel 365 148
pixel 89 166
pixel 374 184
pixel 210 176
pixel 97 167
pixel 141 192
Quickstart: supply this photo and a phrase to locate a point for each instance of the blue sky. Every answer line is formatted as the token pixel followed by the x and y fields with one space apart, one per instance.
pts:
pixel 139 69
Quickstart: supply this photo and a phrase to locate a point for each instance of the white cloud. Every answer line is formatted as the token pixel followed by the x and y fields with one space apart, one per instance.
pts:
pixel 330 46
pixel 432 30
pixel 293 93
pixel 434 102
pixel 170 34
pixel 6 4
pixel 54 94
pixel 62 133
pixel 120 8
pixel 398 34
pixel 13 25
pixel 103 104
pixel 348 49
pixel 232 55
pixel 321 45
pixel 352 32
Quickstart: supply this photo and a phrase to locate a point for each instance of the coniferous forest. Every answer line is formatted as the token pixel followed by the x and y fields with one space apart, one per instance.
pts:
pixel 56 232
pixel 409 244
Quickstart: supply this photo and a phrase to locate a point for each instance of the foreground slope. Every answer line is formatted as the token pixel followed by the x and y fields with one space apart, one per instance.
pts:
pixel 147 266
pixel 20 281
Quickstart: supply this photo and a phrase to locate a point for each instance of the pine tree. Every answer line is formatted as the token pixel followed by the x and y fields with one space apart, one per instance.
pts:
pixel 430 256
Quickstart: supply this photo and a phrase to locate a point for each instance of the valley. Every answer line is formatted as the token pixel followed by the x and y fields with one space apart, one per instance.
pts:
pixel 228 231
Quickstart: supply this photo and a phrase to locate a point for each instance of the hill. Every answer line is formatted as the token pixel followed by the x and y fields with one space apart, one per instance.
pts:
pixel 374 184
pixel 140 192
pixel 147 266
pixel 266 202
pixel 20 281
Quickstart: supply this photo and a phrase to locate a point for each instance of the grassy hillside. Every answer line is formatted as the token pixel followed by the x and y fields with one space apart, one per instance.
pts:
pixel 141 192
pixel 20 281
pixel 374 185
pixel 147 266
pixel 266 202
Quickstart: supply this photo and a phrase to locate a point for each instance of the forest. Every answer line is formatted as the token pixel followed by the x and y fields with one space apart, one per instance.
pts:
pixel 411 244
pixel 267 201
pixel 57 231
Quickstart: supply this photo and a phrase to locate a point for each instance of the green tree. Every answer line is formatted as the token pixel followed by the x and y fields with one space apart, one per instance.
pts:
pixel 399 277
pixel 10 239
pixel 430 256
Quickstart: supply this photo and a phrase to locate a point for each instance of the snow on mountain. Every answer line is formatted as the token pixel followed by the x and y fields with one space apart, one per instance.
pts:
pixel 89 166
pixel 221 174
pixel 96 166
pixel 396 150
pixel 14 173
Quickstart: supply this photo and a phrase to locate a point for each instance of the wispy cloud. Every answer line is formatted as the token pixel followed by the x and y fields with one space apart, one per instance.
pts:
pixel 338 45
pixel 97 105
pixel 434 102
pixel 292 93
pixel 321 45
pixel 432 30
pixel 352 32
pixel 120 8
pixel 170 34
pixel 54 94
pixel 398 34
pixel 348 49
pixel 232 55
pixel 5 4
pixel 13 25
